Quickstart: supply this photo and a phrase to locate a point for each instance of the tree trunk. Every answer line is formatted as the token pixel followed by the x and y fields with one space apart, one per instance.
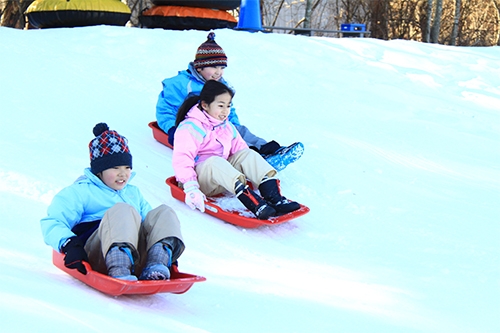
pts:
pixel 497 6
pixel 456 19
pixel 436 22
pixel 273 23
pixel 379 28
pixel 427 33
pixel 307 17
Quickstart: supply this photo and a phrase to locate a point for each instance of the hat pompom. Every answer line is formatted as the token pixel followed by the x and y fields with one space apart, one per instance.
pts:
pixel 211 37
pixel 100 128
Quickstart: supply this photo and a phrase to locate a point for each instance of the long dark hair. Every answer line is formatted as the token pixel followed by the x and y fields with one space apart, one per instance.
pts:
pixel 211 89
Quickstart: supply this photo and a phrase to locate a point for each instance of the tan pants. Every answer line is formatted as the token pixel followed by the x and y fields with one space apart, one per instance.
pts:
pixel 216 175
pixel 121 224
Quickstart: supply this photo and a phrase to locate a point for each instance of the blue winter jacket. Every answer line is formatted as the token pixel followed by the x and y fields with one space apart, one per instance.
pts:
pixel 175 90
pixel 86 201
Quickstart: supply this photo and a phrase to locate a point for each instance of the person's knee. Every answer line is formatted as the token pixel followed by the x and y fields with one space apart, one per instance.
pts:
pixel 214 160
pixel 161 209
pixel 123 211
pixel 121 206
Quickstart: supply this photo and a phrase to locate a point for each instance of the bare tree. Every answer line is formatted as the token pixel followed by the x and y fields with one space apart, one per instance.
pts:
pixel 428 24
pixel 436 22
pixel 378 23
pixel 273 23
pixel 456 19
pixel 403 19
pixel 496 3
pixel 136 8
pixel 12 13
pixel 307 16
pixel 480 22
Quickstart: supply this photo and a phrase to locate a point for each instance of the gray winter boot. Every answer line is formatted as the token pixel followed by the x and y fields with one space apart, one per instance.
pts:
pixel 158 263
pixel 119 261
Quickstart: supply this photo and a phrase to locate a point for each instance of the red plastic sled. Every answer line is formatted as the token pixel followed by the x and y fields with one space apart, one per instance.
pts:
pixel 179 282
pixel 159 135
pixel 235 217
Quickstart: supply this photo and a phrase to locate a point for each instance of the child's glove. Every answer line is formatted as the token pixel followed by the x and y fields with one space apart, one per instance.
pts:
pixel 170 134
pixel 269 148
pixel 75 254
pixel 194 197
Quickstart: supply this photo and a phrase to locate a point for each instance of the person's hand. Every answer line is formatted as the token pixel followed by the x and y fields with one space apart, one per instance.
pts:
pixel 170 133
pixel 75 254
pixel 195 199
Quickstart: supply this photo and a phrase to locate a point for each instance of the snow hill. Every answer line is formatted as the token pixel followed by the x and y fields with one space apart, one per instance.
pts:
pixel 401 172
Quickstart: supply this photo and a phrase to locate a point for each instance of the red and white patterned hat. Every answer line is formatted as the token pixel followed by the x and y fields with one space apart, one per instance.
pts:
pixel 210 54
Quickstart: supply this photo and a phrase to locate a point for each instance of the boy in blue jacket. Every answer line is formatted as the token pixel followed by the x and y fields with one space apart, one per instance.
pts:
pixel 209 64
pixel 103 220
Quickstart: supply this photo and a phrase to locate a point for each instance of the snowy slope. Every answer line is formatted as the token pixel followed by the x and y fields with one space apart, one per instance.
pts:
pixel 401 172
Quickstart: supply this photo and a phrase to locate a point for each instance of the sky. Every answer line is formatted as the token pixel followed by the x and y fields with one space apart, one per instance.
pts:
pixel 401 171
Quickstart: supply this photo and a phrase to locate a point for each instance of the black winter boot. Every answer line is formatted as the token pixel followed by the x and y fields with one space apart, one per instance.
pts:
pixel 253 202
pixel 270 190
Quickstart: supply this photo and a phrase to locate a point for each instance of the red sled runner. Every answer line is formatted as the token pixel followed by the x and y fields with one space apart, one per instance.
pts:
pixel 159 134
pixel 179 282
pixel 237 217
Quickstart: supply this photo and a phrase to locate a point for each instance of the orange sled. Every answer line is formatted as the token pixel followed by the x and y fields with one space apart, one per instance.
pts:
pixel 237 217
pixel 179 282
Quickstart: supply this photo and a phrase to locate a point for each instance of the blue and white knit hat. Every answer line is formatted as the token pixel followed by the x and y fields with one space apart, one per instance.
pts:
pixel 210 54
pixel 109 149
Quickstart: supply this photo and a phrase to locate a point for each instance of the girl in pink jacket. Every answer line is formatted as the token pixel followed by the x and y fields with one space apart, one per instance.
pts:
pixel 210 157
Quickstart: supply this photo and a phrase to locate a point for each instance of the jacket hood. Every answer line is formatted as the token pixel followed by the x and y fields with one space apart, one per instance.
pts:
pixel 195 73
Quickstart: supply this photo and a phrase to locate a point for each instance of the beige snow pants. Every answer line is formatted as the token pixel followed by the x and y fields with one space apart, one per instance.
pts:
pixel 121 224
pixel 216 175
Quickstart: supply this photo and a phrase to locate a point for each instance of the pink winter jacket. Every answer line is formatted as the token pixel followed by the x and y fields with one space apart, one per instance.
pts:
pixel 199 137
